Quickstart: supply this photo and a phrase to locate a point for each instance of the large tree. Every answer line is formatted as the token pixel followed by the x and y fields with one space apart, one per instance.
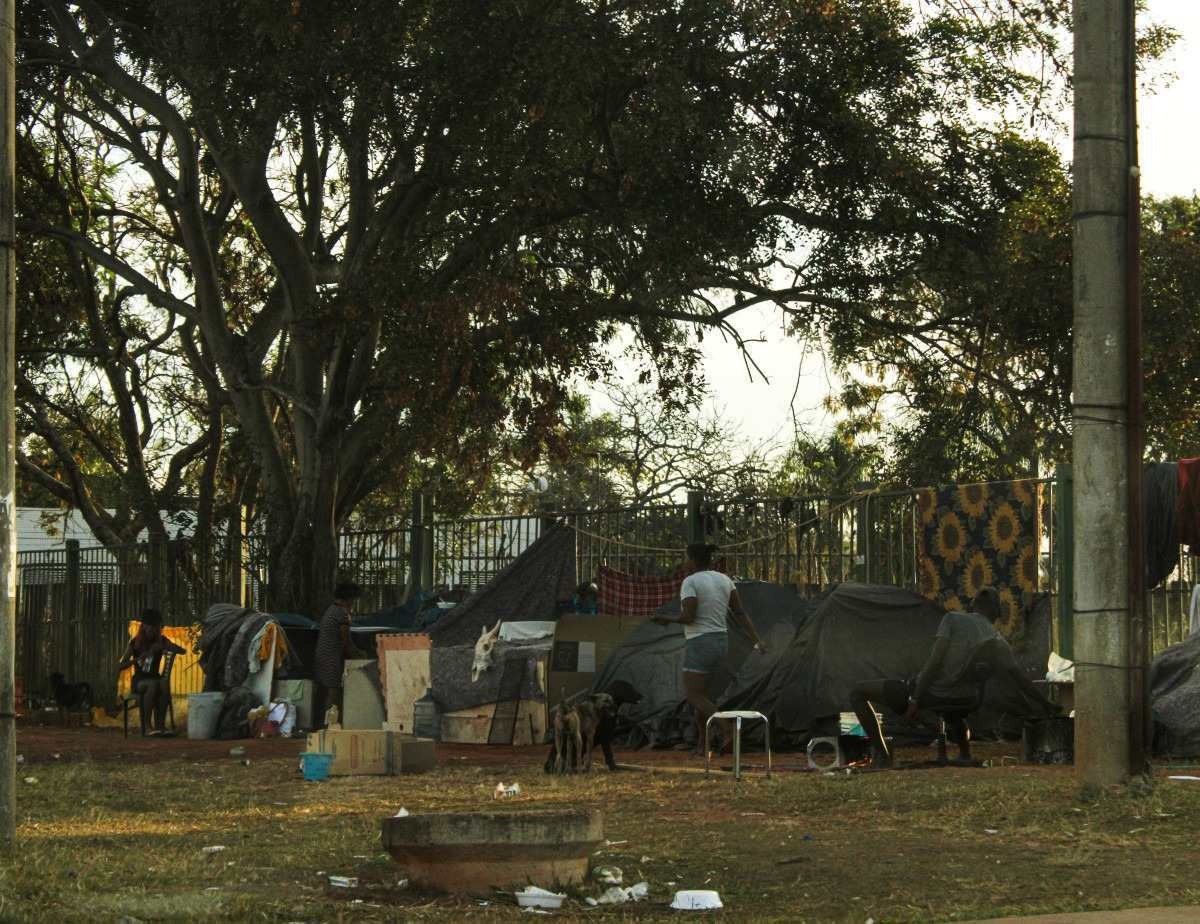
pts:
pixel 392 231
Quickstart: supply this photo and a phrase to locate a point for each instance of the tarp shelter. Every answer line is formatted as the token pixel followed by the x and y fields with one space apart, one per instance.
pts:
pixel 650 659
pixel 233 639
pixel 866 632
pixel 507 705
pixel 413 615
pixel 1175 699
pixel 528 588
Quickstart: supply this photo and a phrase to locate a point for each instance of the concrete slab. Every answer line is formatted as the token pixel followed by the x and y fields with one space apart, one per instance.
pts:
pixel 1182 915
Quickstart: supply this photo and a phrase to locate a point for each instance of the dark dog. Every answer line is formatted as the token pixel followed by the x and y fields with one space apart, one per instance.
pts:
pixel 69 696
pixel 614 696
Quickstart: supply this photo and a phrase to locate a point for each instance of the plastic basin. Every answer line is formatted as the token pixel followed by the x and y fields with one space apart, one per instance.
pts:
pixel 315 765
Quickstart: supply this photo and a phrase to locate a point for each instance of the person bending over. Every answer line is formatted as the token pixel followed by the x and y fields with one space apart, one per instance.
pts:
pixel 145 653
pixel 334 647
pixel 707 597
pixel 946 681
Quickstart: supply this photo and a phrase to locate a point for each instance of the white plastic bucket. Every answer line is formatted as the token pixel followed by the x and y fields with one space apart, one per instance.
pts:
pixel 204 710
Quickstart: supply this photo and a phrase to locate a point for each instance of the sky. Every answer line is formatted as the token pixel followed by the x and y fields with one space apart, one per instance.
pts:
pixel 1169 142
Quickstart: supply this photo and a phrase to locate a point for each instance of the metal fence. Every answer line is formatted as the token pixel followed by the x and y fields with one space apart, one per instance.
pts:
pixel 74 606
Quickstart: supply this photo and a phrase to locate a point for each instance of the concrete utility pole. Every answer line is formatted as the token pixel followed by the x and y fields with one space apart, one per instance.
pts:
pixel 1105 257
pixel 8 462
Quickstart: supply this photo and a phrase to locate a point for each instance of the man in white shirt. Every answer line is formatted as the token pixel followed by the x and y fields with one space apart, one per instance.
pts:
pixel 707 598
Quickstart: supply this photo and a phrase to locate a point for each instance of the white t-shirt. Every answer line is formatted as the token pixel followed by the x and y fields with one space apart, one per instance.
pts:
pixel 711 590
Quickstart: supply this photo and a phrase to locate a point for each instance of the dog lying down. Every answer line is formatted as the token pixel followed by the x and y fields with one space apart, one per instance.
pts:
pixel 579 724
pixel 70 696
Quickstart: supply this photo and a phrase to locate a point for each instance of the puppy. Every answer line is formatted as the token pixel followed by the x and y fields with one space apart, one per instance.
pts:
pixel 68 696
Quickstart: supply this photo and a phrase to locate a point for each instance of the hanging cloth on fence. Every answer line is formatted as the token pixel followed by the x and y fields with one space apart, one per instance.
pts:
pixel 1160 507
pixel 1188 505
pixel 624 594
pixel 981 535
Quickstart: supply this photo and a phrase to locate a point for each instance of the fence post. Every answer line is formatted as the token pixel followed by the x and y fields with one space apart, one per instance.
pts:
pixel 864 532
pixel 72 599
pixel 1064 555
pixel 428 551
pixel 416 541
pixel 236 554
pixel 695 522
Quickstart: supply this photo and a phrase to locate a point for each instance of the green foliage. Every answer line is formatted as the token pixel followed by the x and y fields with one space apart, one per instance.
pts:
pixel 986 387
pixel 396 230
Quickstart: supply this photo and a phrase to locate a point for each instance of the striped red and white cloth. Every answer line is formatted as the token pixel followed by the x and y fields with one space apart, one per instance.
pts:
pixel 624 594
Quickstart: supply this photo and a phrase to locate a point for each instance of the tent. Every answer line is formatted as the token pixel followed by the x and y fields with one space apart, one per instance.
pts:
pixel 1175 699
pixel 817 651
pixel 867 632
pixel 528 588
pixel 650 659
pixel 508 702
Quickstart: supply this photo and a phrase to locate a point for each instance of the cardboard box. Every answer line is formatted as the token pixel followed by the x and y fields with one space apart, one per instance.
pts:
pixel 362 698
pixel 372 752
pixel 582 644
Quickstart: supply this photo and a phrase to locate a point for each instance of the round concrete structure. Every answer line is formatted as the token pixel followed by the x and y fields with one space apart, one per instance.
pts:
pixel 476 852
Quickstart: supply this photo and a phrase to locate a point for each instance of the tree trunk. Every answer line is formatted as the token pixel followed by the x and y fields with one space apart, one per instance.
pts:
pixel 304 565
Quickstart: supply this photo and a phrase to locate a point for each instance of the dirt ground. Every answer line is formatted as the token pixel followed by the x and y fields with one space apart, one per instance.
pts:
pixel 47 743
pixel 115 827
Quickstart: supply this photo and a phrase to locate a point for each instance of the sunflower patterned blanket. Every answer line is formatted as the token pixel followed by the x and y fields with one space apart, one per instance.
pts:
pixel 979 535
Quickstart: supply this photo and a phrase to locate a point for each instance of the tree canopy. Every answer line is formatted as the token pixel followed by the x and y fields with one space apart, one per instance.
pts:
pixel 383 234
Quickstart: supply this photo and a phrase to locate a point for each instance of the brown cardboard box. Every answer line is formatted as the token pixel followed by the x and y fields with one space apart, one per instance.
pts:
pixel 412 755
pixel 372 752
pixel 582 644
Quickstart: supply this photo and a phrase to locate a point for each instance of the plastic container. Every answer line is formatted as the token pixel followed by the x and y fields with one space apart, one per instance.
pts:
pixel 533 897
pixel 697 900
pixel 204 710
pixel 427 722
pixel 315 765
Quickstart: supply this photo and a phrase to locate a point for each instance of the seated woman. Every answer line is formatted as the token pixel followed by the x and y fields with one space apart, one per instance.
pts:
pixel 145 653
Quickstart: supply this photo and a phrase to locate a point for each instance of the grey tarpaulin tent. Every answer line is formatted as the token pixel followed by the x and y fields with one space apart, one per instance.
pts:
pixel 528 588
pixel 1175 699
pixel 868 632
pixel 453 689
pixel 650 659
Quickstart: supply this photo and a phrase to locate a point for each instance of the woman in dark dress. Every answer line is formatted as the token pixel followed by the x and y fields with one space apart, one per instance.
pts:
pixel 145 653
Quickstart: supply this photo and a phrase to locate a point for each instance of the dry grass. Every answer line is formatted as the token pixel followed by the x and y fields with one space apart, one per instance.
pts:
pixel 99 840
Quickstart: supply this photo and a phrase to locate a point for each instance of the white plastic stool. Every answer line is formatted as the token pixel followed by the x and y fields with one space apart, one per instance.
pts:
pixel 737 716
